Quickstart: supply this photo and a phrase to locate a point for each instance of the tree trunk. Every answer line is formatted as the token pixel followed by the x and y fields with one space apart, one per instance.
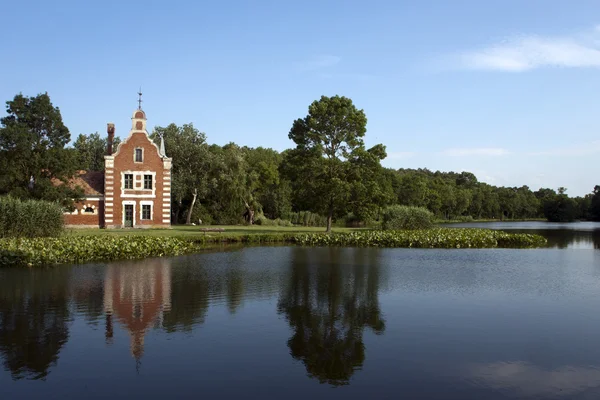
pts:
pixel 188 219
pixel 249 214
pixel 329 218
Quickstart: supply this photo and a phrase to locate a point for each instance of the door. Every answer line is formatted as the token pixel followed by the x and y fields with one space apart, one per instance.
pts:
pixel 128 215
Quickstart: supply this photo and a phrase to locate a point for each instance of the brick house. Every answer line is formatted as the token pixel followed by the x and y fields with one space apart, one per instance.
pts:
pixel 135 188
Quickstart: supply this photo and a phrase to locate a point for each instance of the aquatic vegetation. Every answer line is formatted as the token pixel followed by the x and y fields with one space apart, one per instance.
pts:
pixel 83 249
pixel 447 238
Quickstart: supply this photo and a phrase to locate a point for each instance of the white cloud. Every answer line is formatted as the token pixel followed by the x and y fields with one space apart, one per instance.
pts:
pixel 528 52
pixel 481 151
pixel 319 62
pixel 571 151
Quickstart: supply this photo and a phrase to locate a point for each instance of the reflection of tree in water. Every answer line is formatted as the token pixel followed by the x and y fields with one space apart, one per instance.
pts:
pixel 189 297
pixel 33 320
pixel 328 303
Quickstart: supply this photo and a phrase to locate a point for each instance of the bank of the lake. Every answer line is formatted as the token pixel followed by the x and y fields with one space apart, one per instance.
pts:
pixel 72 249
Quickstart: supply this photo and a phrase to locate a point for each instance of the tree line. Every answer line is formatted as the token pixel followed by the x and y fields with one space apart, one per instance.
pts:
pixel 329 176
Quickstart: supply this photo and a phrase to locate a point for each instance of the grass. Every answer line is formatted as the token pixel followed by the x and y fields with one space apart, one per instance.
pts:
pixel 187 231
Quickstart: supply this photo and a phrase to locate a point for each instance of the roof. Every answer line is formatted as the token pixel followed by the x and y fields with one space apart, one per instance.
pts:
pixel 92 182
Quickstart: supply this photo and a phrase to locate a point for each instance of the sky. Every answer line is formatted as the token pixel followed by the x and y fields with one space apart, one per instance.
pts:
pixel 506 89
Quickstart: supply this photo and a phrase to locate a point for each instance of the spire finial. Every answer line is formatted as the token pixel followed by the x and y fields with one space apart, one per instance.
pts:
pixel 140 99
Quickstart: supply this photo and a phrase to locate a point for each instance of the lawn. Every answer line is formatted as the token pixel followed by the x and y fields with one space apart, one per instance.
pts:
pixel 191 231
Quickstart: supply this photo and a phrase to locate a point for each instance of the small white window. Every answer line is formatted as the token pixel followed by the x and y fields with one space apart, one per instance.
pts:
pixel 146 211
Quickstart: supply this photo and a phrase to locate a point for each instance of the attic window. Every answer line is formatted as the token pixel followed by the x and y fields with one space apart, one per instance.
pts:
pixel 138 155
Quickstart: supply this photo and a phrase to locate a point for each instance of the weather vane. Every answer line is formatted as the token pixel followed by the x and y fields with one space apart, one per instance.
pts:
pixel 140 99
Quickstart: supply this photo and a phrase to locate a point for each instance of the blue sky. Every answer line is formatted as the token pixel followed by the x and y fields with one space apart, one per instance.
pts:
pixel 506 89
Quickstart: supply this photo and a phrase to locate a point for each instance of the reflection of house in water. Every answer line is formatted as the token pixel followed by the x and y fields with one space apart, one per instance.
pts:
pixel 137 294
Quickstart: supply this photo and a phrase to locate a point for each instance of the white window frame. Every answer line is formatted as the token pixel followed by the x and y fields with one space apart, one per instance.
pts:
pixel 123 204
pixel 146 203
pixel 152 180
pixel 132 180
pixel 147 193
pixel 134 153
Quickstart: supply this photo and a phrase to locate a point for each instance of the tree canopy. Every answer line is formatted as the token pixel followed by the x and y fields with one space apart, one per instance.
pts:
pixel 328 176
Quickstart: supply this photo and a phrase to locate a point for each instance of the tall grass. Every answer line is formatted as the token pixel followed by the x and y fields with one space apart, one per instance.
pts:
pixel 29 218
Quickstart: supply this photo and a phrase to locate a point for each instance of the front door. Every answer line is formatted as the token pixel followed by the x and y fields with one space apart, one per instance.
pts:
pixel 128 215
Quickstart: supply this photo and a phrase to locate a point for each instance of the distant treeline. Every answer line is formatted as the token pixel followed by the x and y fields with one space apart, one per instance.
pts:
pixel 328 177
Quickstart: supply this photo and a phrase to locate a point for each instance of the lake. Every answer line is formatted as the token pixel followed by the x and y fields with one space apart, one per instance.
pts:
pixel 318 323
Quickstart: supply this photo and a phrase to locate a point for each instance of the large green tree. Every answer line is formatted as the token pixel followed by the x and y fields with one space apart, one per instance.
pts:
pixel 187 146
pixel 33 157
pixel 90 151
pixel 325 140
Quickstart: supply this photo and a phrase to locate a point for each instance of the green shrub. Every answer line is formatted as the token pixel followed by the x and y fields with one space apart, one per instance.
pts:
pixel 405 217
pixel 29 218
pixel 264 221
pixel 307 218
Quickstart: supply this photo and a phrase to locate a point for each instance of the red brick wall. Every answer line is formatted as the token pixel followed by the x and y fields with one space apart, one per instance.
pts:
pixel 82 218
pixel 124 161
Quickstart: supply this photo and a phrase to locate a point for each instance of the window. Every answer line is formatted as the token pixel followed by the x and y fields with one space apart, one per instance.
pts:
pixel 138 155
pixel 89 210
pixel 146 211
pixel 128 181
pixel 148 182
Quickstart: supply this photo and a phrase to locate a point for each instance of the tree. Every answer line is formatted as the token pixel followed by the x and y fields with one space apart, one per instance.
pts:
pixel 33 157
pixel 325 138
pixel 187 147
pixel 595 204
pixel 560 208
pixel 90 151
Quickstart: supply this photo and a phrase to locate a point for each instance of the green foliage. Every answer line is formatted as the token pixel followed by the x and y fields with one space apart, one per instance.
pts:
pixel 450 238
pixel 330 167
pixel 29 218
pixel 594 210
pixel 264 221
pixel 560 208
pixel 91 149
pixel 84 249
pixel 32 150
pixel 404 217
pixel 306 218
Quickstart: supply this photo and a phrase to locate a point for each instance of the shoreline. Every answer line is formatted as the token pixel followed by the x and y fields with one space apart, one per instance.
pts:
pixel 70 249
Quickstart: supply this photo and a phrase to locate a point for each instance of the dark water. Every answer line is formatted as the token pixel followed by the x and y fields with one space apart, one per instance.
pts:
pixel 307 323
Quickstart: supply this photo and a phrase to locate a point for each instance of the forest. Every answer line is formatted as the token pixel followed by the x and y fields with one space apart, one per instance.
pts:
pixel 328 178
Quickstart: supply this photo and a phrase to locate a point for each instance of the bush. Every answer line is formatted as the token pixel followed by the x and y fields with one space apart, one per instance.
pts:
pixel 264 221
pixel 30 218
pixel 307 218
pixel 405 217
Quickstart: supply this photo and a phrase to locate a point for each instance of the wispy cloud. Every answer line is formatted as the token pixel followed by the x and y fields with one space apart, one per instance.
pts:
pixel 480 151
pixel 527 52
pixel 584 149
pixel 318 62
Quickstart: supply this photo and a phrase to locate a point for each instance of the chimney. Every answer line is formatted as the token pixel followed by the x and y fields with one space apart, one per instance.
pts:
pixel 110 129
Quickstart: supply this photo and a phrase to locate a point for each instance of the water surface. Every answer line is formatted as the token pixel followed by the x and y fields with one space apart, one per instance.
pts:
pixel 292 322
